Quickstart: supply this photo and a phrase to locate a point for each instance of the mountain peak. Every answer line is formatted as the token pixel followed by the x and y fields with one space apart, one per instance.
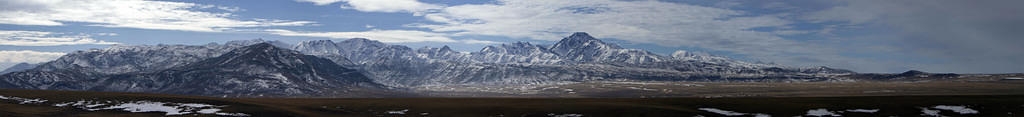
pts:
pixel 446 48
pixel 261 46
pixel 580 37
pixel 580 40
pixel 261 52
pixel 317 47
pixel 362 42
pixel 913 72
pixel 257 41
pixel 317 41
pixel 580 34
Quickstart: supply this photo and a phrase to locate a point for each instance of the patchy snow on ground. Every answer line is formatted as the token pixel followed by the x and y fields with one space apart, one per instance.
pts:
pixel 863 110
pixel 930 113
pixel 821 113
pixel 564 115
pixel 233 114
pixel 723 112
pixel 149 106
pixel 208 111
pixel 957 109
pixel 397 112
pixel 23 100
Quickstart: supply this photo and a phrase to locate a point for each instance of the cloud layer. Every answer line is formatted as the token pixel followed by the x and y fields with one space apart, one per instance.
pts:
pixel 387 36
pixel 142 14
pixel 27 56
pixel 38 38
pixel 391 6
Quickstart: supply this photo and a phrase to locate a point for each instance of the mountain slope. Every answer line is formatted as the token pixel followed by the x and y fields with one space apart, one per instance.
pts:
pixel 256 70
pixel 19 67
pixel 581 47
pixel 576 58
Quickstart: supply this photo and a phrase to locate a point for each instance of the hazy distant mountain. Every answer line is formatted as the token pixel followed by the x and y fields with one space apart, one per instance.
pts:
pixel 19 67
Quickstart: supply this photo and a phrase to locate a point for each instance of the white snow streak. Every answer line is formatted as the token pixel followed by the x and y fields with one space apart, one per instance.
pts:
pixel 957 109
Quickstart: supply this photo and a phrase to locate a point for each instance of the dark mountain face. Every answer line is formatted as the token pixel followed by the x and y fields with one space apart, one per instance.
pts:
pixel 257 70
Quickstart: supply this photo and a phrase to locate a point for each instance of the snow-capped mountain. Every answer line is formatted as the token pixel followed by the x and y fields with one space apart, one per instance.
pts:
pixel 321 67
pixel 519 52
pixel 256 70
pixel 119 59
pixel 578 57
pixel 581 47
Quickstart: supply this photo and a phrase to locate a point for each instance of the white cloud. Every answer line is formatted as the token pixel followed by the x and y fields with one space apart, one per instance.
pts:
pixel 37 38
pixel 27 56
pixel 320 2
pixel 369 26
pixel 473 41
pixel 387 36
pixel 142 14
pixel 391 6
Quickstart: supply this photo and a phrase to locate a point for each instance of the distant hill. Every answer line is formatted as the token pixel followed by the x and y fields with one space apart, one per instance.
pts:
pixel 19 67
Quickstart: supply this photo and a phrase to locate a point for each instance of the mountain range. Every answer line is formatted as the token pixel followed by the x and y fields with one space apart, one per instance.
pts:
pixel 358 67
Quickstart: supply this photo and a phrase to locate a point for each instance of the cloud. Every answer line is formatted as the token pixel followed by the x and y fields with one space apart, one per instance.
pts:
pixel 27 56
pixel 954 36
pixel 484 42
pixel 37 38
pixel 390 6
pixel 387 36
pixel 142 14
pixel 320 2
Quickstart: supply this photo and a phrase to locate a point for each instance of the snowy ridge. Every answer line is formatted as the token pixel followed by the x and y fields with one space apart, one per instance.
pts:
pixel 259 67
pixel 578 57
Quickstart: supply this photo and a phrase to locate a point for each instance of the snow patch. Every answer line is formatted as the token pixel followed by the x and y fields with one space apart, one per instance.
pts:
pixel 149 106
pixel 723 112
pixel 146 106
pixel 821 113
pixel 564 115
pixel 397 112
pixel 929 112
pixel 208 111
pixel 23 100
pixel 957 109
pixel 1013 78
pixel 863 110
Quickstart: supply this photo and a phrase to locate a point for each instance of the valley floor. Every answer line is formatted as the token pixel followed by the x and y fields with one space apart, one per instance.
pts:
pixel 954 97
pixel 965 85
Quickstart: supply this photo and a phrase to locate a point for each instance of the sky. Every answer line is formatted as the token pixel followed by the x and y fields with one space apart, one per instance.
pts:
pixel 876 36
